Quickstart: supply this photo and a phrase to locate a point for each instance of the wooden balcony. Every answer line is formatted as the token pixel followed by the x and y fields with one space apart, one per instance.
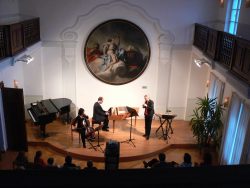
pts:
pixel 231 51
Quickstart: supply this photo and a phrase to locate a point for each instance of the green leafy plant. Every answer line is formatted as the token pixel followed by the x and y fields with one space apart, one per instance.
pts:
pixel 206 121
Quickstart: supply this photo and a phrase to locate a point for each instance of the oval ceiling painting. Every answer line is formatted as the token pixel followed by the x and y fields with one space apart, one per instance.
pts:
pixel 117 52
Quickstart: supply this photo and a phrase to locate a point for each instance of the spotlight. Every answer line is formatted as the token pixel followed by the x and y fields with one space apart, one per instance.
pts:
pixel 199 62
pixel 26 59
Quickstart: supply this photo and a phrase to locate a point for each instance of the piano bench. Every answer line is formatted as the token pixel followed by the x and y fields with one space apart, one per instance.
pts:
pixel 93 122
pixel 73 129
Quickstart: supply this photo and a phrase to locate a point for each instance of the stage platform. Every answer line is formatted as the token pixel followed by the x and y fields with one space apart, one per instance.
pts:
pixel 60 140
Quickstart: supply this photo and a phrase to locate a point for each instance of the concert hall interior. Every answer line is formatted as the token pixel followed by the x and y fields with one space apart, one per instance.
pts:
pixel 57 56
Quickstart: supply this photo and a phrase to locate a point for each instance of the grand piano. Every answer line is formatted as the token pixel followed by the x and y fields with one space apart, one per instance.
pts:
pixel 48 110
pixel 121 113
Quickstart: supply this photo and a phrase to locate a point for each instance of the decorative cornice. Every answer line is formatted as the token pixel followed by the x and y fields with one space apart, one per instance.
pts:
pixel 69 34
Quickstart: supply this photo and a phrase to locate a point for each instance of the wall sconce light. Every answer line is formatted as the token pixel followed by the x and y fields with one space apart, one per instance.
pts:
pixel 15 84
pixel 25 58
pixel 226 102
pixel 221 3
pixel 207 83
pixel 198 62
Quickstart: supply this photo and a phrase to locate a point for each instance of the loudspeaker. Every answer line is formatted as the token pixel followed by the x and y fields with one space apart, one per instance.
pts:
pixel 112 155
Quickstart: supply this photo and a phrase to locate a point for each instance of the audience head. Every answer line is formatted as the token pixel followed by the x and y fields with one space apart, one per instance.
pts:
pixel 50 161
pixel 68 159
pixel 162 157
pixel 89 163
pixel 80 111
pixel 207 158
pixel 187 158
pixel 37 156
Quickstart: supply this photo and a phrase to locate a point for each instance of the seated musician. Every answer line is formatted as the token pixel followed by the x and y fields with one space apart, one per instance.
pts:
pixel 82 123
pixel 100 115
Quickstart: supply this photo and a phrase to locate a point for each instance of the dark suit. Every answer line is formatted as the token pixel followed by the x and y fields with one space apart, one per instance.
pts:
pixel 149 113
pixel 99 115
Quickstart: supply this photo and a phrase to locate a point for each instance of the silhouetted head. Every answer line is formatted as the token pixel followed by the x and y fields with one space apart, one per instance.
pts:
pixel 162 156
pixel 207 158
pixel 187 158
pixel 90 163
pixel 68 159
pixel 50 160
pixel 37 156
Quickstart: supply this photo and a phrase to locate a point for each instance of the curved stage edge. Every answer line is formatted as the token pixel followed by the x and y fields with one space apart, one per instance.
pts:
pixel 61 142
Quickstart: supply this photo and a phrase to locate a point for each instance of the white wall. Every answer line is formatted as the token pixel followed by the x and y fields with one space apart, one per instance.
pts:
pixel 9 7
pixel 180 80
pixel 64 74
pixel 174 15
pixel 9 73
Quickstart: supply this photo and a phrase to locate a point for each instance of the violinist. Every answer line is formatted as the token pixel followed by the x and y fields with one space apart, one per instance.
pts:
pixel 82 122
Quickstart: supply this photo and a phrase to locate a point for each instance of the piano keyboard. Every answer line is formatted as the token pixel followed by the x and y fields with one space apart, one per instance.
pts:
pixel 31 115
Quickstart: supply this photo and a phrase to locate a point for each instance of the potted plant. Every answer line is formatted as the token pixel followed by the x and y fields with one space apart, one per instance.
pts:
pixel 206 122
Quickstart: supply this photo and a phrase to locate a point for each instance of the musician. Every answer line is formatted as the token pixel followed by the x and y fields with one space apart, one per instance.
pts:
pixel 100 115
pixel 148 114
pixel 82 123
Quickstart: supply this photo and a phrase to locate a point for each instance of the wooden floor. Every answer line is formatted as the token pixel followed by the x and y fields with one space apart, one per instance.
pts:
pixel 60 140
pixel 59 144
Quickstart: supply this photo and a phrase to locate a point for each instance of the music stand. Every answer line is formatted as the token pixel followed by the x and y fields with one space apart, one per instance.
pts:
pixel 98 139
pixel 132 113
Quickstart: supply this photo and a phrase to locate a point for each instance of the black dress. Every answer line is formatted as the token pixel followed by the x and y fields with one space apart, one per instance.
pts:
pixel 81 127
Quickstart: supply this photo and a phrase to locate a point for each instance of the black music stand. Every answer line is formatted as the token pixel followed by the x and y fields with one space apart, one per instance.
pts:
pixel 132 113
pixel 98 140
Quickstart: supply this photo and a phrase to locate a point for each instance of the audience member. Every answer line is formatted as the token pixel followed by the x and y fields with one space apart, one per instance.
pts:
pixel 187 160
pixel 158 163
pixel 38 161
pixel 162 163
pixel 207 159
pixel 21 161
pixel 68 163
pixel 90 166
pixel 50 163
pixel 150 163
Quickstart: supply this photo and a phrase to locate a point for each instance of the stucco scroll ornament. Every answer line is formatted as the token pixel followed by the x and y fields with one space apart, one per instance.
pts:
pixel 69 36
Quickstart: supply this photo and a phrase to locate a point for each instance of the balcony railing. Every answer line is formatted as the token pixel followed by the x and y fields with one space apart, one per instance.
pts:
pixel 231 51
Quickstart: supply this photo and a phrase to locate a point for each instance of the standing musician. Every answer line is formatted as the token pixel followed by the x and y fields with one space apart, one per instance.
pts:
pixel 148 113
pixel 82 123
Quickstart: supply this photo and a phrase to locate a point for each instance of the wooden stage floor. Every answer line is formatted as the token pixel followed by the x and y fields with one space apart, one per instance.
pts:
pixel 60 140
